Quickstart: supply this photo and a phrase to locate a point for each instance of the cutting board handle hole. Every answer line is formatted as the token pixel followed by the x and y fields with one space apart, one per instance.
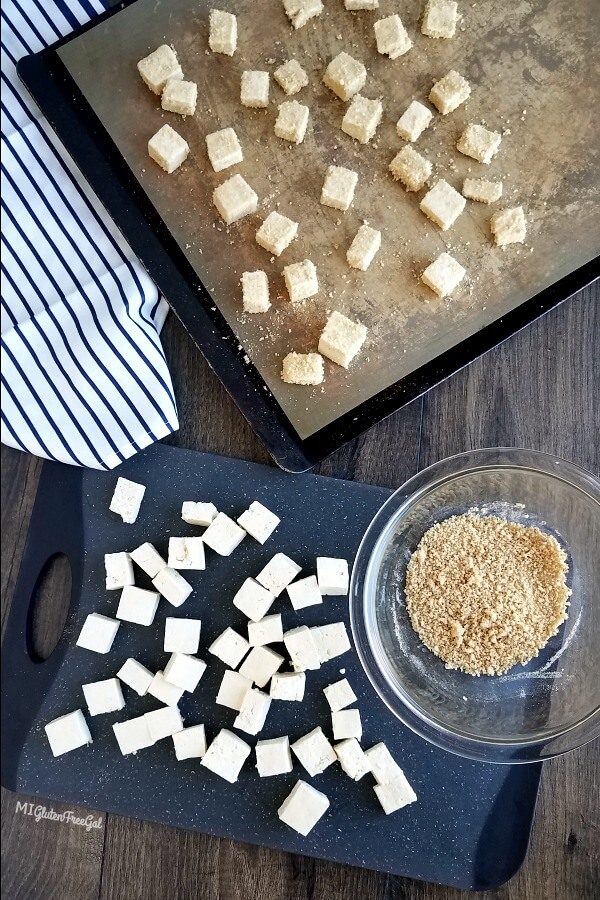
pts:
pixel 49 607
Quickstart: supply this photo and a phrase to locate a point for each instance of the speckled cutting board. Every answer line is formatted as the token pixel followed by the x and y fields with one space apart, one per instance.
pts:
pixel 471 824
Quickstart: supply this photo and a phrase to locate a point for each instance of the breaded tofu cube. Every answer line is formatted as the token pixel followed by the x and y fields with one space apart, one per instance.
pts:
pixel 299 12
pixel 168 149
pixel 443 275
pixel 391 37
pixel 363 248
pixel 302 368
pixel 410 168
pixel 440 18
pixel 159 67
pixel 235 199
pixel 345 76
pixel 354 5
pixel 223 149
pixel 338 188
pixel 482 190
pixel 508 226
pixel 255 292
pixel 222 37
pixel 276 233
pixel 180 97
pixel 442 204
pixel 362 118
pixel 341 339
pixel 449 92
pixel 292 121
pixel 413 121
pixel 301 280
pixel 479 143
pixel 291 77
pixel 254 91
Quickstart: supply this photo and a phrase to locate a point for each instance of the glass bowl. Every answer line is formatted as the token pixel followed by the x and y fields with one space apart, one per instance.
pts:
pixel 532 712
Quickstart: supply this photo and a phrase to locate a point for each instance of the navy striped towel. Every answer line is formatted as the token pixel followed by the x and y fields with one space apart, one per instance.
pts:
pixel 84 375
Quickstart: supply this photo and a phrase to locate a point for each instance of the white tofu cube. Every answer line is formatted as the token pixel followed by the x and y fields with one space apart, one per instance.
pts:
pixel 363 248
pixel 292 121
pixel 314 752
pixel 346 723
pixel 235 199
pixel 136 676
pixel 103 696
pixel 410 168
pixel 305 592
pixel 301 280
pixel 362 118
pixel 148 559
pixel 163 723
pixel 230 647
pixel 413 121
pixel 450 92
pixel 137 605
pixel 180 97
pixel 222 33
pixel 173 586
pixel 482 190
pixel 159 67
pixel 276 233
pixel 259 522
pixel 330 640
pixel 119 570
pixel 333 576
pixel 303 807
pixel 440 18
pixel 345 76
pixel 356 5
pixel 479 143
pixel 133 735
pixel 442 204
pixel 127 497
pixel 67 733
pixel 190 743
pixel 291 77
pixel 260 665
pixel 278 573
pixel 198 513
pixel 254 91
pixel 253 712
pixel 169 150
pixel 232 690
pixel 255 292
pixel 163 690
pixel 443 275
pixel 339 694
pixel 391 37
pixel 382 764
pixel 288 686
pixel 182 635
pixel 341 339
pixel 98 633
pixel 508 226
pixel 395 796
pixel 223 535
pixel 253 600
pixel 184 671
pixel 339 187
pixel 186 553
pixel 268 631
pixel 301 646
pixel 299 12
pixel 224 150
pixel 352 758
pixel 273 757
pixel 226 755
pixel 302 368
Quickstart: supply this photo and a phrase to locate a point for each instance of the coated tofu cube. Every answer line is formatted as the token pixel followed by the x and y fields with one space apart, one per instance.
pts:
pixel 346 724
pixel 352 758
pixel 136 676
pixel 413 121
pixel 184 671
pixel 133 735
pixel 345 76
pixel 254 91
pixel 163 690
pixel 299 12
pixel 410 168
pixel 339 187
pixel 253 600
pixel 291 77
pixel 137 605
pixel 362 118
pixel 276 233
pixel 253 712
pixel 442 204
pixel 186 553
pixel 508 226
pixel 341 339
pixel 223 148
pixel 180 97
pixel 395 796
pixel 301 280
pixel 481 190
pixel 233 689
pixel 391 37
pixel 260 665
pixel 255 292
pixel 169 150
pixel 440 18
pixel 314 752
pixel 190 743
pixel 226 755
pixel 222 36
pixel 268 631
pixel 259 522
pixel 119 570
pixel 330 640
pixel 273 757
pixel 198 513
pixel 363 248
pixel 148 559
pixel 182 635
pixel 302 368
pixel 292 121
pixel 68 733
pixel 163 723
pixel 305 592
pixel 223 535
pixel 479 143
pixel 449 92
pixel 443 275
pixel 301 646
pixel 128 495
pixel 278 573
pixel 230 647
pixel 382 764
pixel 303 807
pixel 355 5
pixel 235 199
pixel 159 67
pixel 339 694
pixel 288 686
pixel 333 576
pixel 173 586
pixel 98 633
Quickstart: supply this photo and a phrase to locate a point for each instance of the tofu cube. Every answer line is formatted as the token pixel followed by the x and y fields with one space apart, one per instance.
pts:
pixel 254 91
pixel 440 18
pixel 253 600
pixel 395 796
pixel 163 723
pixel 382 764
pixel 339 694
pixel 346 724
pixel 362 118
pixel 363 248
pixel 173 586
pixel 273 757
pixel 288 686
pixel 235 199
pixel 128 495
pixel 253 712
pixel 355 5
pixel 137 605
pixel 268 631
pixel 159 67
pixel 186 553
pixel 190 743
pixel 391 37
pixel 163 690
pixel 222 34
pixel 169 150
pixel 230 647
pixel 278 573
pixel 442 204
pixel 345 76
pixel 481 190
pixel 68 733
pixel 449 92
pixel 341 339
pixel 413 121
pixel 333 576
pixel 133 735
pixel 276 233
pixel 292 121
pixel 443 275
pixel 330 640
pixel 259 522
pixel 508 226
pixel 314 752
pixel 299 12
pixel 180 97
pixel 302 368
pixel 291 77
pixel 182 635
pixel 184 671
pixel 223 149
pixel 98 633
pixel 352 758
pixel 305 592
pixel 223 535
pixel 198 513
pixel 136 676
pixel 479 143
pixel 301 280
pixel 148 559
pixel 119 570
pixel 301 646
pixel 411 169
pixel 103 696
pixel 303 807
pixel 233 689
pixel 339 187
pixel 260 665
pixel 226 755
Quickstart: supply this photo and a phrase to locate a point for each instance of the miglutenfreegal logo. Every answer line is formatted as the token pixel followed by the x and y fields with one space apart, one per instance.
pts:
pixel 68 817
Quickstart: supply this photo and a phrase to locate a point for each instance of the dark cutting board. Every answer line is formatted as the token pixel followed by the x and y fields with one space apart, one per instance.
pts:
pixel 471 824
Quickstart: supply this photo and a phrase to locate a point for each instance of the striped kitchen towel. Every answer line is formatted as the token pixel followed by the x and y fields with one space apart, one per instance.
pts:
pixel 84 375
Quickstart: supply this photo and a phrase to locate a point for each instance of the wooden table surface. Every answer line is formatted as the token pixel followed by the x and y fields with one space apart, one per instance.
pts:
pixel 540 390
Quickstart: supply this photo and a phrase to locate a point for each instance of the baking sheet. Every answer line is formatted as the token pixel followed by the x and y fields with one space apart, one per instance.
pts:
pixel 533 68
